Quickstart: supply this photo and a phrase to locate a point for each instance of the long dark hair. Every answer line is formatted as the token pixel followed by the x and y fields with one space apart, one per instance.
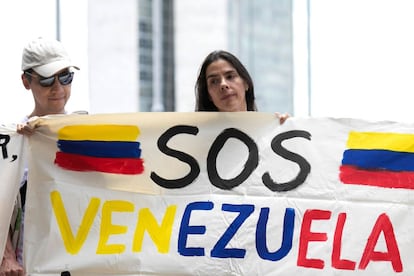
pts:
pixel 203 102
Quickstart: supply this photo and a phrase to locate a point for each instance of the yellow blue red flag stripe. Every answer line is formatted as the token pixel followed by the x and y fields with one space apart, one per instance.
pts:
pixel 379 159
pixel 103 148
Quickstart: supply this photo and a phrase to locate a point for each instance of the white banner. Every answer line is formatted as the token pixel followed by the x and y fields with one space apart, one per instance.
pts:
pixel 11 174
pixel 219 194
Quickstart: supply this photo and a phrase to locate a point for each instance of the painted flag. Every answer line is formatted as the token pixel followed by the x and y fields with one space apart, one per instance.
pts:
pixel 102 148
pixel 379 159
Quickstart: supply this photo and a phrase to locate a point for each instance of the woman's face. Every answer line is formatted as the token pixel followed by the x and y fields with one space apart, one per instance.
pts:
pixel 226 89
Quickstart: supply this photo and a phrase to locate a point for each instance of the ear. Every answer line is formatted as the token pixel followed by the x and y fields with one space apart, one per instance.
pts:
pixel 25 81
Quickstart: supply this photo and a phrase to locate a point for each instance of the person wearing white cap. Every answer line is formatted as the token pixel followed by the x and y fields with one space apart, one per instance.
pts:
pixel 48 73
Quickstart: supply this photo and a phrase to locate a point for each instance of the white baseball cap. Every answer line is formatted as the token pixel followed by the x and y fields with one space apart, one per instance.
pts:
pixel 45 57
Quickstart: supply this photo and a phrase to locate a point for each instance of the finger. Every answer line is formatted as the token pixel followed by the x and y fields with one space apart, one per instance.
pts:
pixel 25 130
pixel 19 127
pixel 29 130
pixel 283 118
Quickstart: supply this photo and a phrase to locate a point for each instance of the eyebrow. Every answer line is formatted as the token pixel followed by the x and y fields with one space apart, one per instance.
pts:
pixel 225 73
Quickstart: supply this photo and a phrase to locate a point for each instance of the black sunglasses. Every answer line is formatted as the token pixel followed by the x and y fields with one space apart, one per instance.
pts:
pixel 64 78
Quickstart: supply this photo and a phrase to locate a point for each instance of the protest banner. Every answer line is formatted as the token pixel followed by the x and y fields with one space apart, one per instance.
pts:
pixel 11 174
pixel 219 194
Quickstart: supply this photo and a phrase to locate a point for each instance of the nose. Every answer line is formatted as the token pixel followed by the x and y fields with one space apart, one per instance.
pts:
pixel 223 84
pixel 57 86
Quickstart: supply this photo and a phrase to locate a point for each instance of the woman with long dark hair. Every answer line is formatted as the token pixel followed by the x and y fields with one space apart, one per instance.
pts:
pixel 224 84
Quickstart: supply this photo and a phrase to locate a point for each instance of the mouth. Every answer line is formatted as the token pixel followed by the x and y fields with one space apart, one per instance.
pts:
pixel 57 98
pixel 227 96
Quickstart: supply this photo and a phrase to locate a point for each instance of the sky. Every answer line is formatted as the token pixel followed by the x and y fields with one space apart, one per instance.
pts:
pixel 363 59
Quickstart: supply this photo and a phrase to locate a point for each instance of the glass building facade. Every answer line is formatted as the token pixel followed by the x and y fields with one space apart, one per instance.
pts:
pixel 145 54
pixel 156 55
pixel 260 32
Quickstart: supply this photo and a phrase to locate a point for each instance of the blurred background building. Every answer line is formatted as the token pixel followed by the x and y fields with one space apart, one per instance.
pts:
pixel 258 32
pixel 331 58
